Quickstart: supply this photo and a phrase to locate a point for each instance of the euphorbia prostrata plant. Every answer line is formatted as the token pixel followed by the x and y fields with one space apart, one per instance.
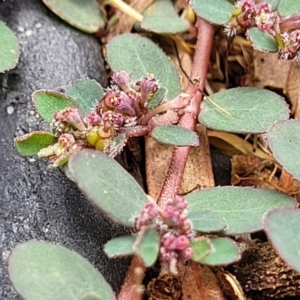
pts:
pixel 90 125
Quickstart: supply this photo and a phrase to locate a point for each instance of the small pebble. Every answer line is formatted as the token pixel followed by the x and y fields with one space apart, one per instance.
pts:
pixel 10 109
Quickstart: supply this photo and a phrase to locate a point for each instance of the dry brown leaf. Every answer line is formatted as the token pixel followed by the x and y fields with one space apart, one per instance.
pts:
pixel 124 23
pixel 233 144
pixel 278 75
pixel 199 283
pixel 289 184
pixel 165 287
pixel 230 285
pixel 249 170
pixel 264 275
pixel 198 170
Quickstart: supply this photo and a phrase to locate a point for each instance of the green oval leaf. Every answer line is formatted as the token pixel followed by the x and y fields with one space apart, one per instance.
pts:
pixel 287 8
pixel 217 11
pixel 161 17
pixel 284 142
pixel 224 252
pixel 106 184
pixel 48 102
pixel 86 93
pixel 130 52
pixel 206 220
pixel 201 247
pixel 175 135
pixel 252 110
pixel 120 246
pixel 241 207
pixel 9 49
pixel 262 40
pixel 83 15
pixel 148 246
pixel 32 143
pixel 41 270
pixel 283 229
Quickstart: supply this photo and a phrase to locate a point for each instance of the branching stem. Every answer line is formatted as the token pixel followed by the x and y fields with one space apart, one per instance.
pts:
pixel 180 154
pixel 189 118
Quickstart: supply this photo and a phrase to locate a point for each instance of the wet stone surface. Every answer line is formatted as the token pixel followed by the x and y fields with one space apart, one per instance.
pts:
pixel 37 203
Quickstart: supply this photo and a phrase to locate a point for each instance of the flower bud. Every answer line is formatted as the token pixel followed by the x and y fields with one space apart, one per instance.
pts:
pixel 71 116
pixel 247 6
pixel 182 242
pixel 169 241
pixel 122 79
pixel 188 253
pixel 148 86
pixel 168 212
pixel 111 100
pixel 66 140
pixel 125 104
pixel 92 119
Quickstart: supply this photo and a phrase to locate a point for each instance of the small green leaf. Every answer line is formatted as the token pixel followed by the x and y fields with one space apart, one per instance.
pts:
pixel 83 15
pixel 252 110
pixel 48 102
pixel 284 142
pixel 217 11
pixel 43 271
pixel 120 246
pixel 107 185
pixel 161 17
pixel 283 229
pixel 117 145
pixel 175 135
pixel 224 252
pixel 32 143
pixel 91 296
pixel 148 246
pixel 242 208
pixel 201 247
pixel 86 93
pixel 287 8
pixel 274 3
pixel 130 52
pixel 157 98
pixel 262 40
pixel 9 48
pixel 206 220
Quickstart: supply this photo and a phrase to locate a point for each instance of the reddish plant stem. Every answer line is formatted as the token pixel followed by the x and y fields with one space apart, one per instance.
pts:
pixel 189 119
pixel 180 154
pixel 132 285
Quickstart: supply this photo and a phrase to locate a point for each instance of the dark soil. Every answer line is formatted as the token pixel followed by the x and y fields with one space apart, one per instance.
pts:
pixel 37 203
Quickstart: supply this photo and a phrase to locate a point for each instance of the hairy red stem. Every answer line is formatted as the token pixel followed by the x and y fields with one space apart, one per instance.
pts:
pixel 180 154
pixel 132 285
pixel 189 118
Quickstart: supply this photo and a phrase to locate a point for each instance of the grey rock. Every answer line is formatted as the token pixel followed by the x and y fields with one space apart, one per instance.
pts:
pixel 35 202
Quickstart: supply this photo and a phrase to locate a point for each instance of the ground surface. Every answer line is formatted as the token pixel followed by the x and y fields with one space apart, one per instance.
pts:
pixel 37 203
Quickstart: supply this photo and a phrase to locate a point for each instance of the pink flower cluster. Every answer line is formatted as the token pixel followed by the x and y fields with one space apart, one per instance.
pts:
pixel 174 227
pixel 285 30
pixel 119 111
pixel 126 97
